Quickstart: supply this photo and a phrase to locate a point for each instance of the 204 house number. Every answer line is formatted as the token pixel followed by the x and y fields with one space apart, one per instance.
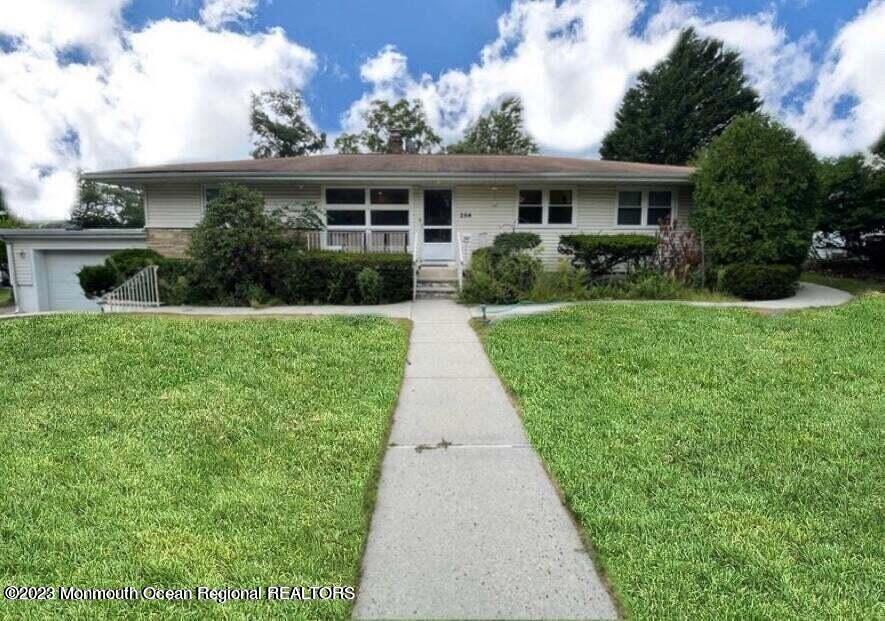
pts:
pixel 465 214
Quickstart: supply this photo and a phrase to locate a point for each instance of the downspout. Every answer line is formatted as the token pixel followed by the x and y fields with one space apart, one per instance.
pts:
pixel 12 280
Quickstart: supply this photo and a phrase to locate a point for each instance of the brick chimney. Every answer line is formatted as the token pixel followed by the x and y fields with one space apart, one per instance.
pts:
pixel 395 141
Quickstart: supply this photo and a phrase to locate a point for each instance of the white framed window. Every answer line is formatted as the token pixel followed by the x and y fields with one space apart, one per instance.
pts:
pixel 545 207
pixel 361 208
pixel 209 193
pixel 644 208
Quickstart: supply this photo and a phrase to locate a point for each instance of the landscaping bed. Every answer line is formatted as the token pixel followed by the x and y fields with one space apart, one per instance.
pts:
pixel 723 463
pixel 184 452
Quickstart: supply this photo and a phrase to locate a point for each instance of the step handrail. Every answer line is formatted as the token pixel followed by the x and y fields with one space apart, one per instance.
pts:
pixel 140 291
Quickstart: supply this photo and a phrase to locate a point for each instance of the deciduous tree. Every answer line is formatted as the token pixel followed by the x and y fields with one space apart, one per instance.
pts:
pixel 279 128
pixel 406 117
pixel 501 131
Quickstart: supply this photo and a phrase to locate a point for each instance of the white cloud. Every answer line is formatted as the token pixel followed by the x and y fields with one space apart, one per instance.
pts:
pixel 172 91
pixel 571 63
pixel 217 13
pixel 852 76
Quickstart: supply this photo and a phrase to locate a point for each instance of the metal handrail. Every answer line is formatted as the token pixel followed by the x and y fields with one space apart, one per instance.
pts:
pixel 416 265
pixel 460 262
pixel 140 291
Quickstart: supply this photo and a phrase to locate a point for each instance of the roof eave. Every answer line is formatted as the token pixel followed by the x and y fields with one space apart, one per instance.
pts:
pixel 413 177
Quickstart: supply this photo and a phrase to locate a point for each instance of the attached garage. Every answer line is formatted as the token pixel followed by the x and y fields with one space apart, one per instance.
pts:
pixel 45 262
pixel 62 285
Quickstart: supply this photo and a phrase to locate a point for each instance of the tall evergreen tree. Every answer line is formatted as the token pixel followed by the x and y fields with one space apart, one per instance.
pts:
pixel 501 131
pixel 381 118
pixel 279 128
pixel 878 147
pixel 679 106
pixel 102 204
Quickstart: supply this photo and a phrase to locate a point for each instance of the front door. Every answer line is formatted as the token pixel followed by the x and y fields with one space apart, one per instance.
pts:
pixel 438 242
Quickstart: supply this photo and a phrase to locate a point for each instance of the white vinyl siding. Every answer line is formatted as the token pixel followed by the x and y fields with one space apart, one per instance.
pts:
pixel 24 272
pixel 180 206
pixel 173 205
pixel 485 211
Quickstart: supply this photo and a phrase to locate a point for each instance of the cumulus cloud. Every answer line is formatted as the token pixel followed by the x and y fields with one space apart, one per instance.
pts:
pixel 571 63
pixel 172 91
pixel 217 13
pixel 846 111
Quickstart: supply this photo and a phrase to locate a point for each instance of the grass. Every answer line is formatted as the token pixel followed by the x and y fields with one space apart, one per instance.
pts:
pixel 855 286
pixel 724 464
pixel 186 452
pixel 5 296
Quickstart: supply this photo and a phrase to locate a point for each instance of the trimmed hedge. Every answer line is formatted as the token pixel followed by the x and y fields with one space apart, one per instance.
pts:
pixel 600 254
pixel 96 280
pixel 759 282
pixel 327 277
pixel 516 241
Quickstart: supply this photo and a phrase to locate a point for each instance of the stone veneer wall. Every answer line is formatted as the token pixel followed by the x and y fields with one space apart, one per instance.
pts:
pixel 169 242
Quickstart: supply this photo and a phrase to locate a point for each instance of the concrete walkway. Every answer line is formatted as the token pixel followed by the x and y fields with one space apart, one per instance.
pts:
pixel 807 295
pixel 467 525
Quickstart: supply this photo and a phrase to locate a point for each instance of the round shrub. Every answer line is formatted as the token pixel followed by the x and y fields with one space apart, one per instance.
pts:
pixel 369 283
pixel 96 280
pixel 516 242
pixel 496 277
pixel 129 262
pixel 759 282
pixel 755 196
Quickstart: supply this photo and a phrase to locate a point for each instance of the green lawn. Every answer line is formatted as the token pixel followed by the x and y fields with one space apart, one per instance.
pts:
pixel 724 464
pixel 5 296
pixel 186 452
pixel 855 286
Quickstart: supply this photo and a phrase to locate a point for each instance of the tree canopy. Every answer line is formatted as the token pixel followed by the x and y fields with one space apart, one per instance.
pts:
pixel 679 106
pixel 756 194
pixel 102 204
pixel 279 128
pixel 852 190
pixel 407 117
pixel 501 131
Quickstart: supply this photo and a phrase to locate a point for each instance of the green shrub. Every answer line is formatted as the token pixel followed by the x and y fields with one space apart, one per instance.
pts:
pixel 173 280
pixel 96 280
pixel 497 276
pixel 237 246
pixel 759 282
pixel 326 277
pixel 599 255
pixel 756 195
pixel 370 285
pixel 564 284
pixel 129 262
pixel 651 285
pixel 516 242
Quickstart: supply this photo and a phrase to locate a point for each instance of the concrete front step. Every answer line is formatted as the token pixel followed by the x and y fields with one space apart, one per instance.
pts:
pixel 431 273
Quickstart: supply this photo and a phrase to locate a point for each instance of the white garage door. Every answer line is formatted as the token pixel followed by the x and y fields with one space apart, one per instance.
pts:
pixel 61 278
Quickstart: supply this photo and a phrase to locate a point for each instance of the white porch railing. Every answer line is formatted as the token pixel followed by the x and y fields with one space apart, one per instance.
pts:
pixel 416 267
pixel 461 255
pixel 374 241
pixel 140 291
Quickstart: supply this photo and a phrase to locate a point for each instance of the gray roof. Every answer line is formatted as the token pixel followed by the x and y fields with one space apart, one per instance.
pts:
pixel 405 165
pixel 60 233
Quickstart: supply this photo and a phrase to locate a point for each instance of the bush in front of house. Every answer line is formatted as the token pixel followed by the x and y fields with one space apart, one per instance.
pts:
pixel 504 272
pixel 520 241
pixel 327 277
pixel 238 248
pixel 759 282
pixel 599 255
pixel 756 195
pixel 96 280
pixel 369 283
pixel 173 275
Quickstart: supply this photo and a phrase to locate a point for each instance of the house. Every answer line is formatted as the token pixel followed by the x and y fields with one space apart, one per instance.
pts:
pixel 437 207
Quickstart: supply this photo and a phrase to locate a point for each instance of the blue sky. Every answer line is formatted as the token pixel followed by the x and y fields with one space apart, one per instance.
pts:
pixel 97 84
pixel 437 35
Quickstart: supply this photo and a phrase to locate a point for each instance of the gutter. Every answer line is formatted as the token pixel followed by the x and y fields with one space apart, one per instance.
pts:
pixel 97 234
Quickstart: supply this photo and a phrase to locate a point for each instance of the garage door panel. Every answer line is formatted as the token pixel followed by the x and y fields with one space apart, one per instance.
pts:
pixel 63 286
